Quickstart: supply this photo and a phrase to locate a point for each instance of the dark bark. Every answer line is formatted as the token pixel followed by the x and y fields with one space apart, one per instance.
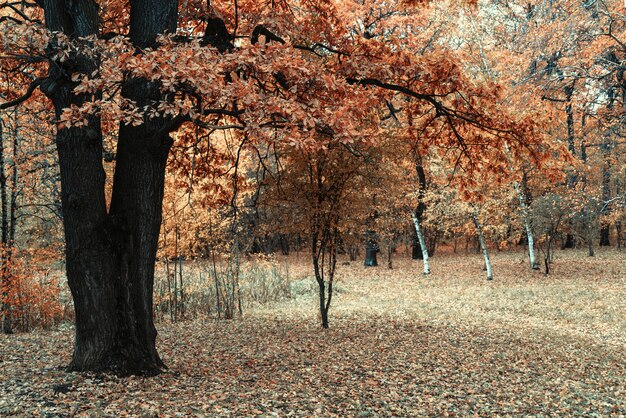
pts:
pixel 110 256
pixel 323 304
pixel 416 248
pixel 371 249
pixel 90 263
pixel 151 18
pixel 547 252
pixel 431 243
pixel 283 242
pixel 324 254
pixel 135 219
pixel 325 287
pixel 605 235
pixel 569 242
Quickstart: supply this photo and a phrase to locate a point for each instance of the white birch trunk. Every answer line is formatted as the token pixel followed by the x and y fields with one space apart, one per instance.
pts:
pixel 420 237
pixel 529 231
pixel 481 239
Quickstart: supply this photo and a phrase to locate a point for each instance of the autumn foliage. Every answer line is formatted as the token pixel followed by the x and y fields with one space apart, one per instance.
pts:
pixel 176 142
pixel 31 290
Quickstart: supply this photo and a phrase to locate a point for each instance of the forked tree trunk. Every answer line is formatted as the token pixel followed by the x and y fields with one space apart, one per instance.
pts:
pixel 324 254
pixel 483 245
pixel 110 259
pixel 107 255
pixel 324 302
pixel 110 256
pixel 422 241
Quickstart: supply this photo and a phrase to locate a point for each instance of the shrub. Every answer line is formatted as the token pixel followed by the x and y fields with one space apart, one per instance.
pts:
pixel 30 293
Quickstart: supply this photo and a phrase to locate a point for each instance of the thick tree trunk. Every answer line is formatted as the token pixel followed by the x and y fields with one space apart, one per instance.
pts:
pixel 91 265
pixel 110 257
pixel 136 218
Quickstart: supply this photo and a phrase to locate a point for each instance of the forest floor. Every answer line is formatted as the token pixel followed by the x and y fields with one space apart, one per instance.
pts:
pixel 400 344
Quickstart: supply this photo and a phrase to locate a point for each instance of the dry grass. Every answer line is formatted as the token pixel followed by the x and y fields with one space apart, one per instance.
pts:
pixel 583 296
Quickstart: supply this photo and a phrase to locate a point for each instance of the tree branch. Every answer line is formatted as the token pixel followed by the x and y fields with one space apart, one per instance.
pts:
pixel 31 89
pixel 395 87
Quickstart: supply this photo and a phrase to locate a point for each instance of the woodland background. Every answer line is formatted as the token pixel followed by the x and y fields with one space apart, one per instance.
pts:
pixel 250 229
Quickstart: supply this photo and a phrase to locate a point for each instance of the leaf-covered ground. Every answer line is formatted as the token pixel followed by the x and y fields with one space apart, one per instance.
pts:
pixel 399 345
